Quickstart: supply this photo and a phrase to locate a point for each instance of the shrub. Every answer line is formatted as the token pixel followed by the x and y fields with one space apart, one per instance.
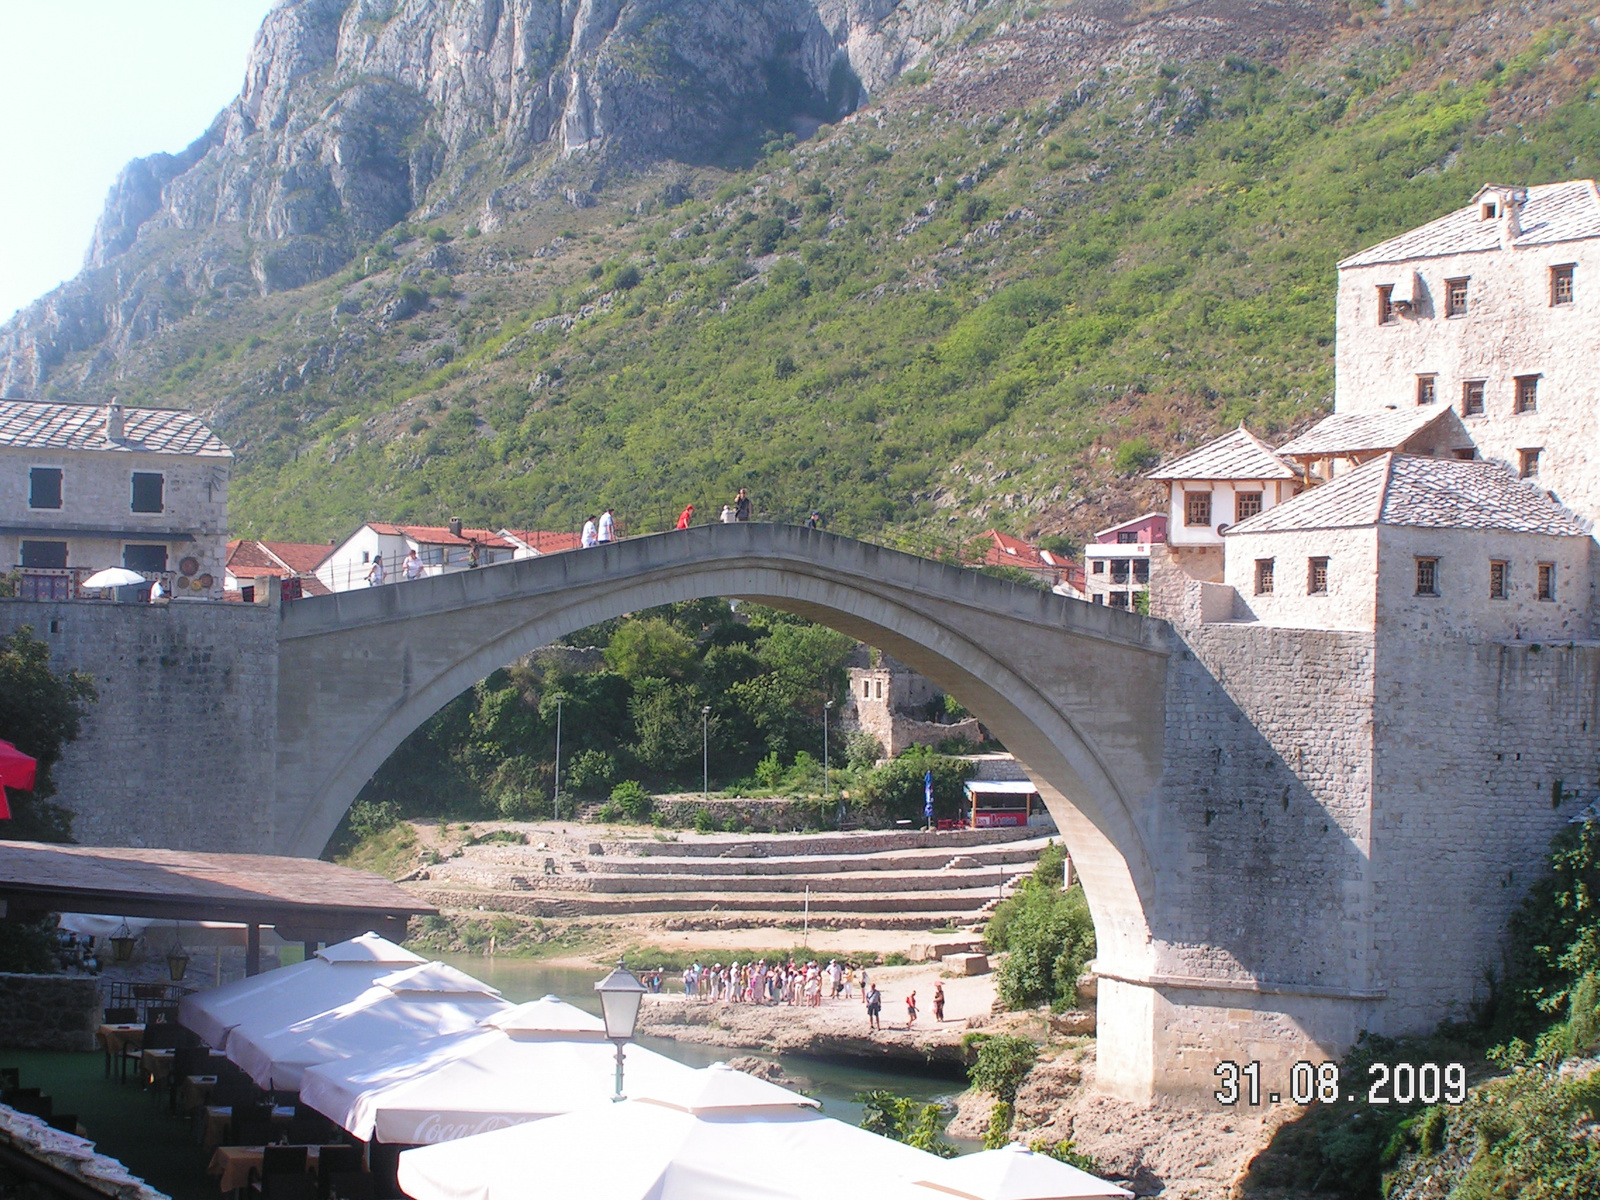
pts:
pixel 1134 455
pixel 367 817
pixel 903 1119
pixel 862 750
pixel 592 771
pixel 704 822
pixel 636 803
pixel 608 812
pixel 1048 936
pixel 626 278
pixel 437 234
pixel 1002 1064
pixel 896 788
pixel 769 771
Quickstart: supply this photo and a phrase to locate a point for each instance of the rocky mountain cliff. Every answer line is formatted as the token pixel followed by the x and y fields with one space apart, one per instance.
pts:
pixel 929 265
pixel 355 114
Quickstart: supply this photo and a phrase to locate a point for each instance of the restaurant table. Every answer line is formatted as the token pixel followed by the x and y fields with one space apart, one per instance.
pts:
pixel 214 1127
pixel 116 1038
pixel 193 1091
pixel 233 1164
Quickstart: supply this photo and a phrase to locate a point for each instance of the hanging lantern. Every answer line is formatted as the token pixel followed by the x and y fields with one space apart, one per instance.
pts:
pixel 122 943
pixel 177 956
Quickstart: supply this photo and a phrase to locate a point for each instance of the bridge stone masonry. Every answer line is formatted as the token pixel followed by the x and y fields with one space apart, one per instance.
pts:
pixel 1285 836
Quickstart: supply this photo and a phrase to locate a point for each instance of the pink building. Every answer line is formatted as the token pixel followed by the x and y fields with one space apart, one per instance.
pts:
pixel 1117 563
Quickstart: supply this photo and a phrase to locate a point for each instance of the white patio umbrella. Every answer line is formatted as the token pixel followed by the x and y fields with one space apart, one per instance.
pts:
pixel 335 975
pixel 114 577
pixel 741 1141
pixel 402 1007
pixel 537 1060
pixel 1013 1173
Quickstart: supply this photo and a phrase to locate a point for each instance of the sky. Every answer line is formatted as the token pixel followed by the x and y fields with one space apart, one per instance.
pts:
pixel 86 85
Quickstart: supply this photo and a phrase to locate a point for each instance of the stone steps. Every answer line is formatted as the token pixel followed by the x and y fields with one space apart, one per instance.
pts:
pixel 827 844
pixel 931 908
pixel 847 883
pixel 936 859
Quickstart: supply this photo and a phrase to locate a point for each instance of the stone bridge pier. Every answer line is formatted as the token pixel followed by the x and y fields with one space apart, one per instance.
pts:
pixel 1214 783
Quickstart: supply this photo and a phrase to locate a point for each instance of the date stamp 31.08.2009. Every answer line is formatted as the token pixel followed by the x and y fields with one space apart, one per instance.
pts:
pixel 1240 1084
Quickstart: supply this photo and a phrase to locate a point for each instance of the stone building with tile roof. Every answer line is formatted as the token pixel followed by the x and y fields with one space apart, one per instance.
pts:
pixel 1407 544
pixel 84 487
pixel 1493 310
pixel 1224 481
pixel 441 549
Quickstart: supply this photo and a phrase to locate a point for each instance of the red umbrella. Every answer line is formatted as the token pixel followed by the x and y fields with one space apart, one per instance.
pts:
pixel 17 770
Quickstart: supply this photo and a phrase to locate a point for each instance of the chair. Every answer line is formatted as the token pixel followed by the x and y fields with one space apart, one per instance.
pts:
pixel 282 1175
pixel 34 1105
pixel 350 1185
pixel 66 1122
pixel 159 1036
pixel 311 1128
pixel 187 1061
pixel 122 1016
pixel 10 1078
pixel 251 1125
pixel 231 1095
pixel 333 1160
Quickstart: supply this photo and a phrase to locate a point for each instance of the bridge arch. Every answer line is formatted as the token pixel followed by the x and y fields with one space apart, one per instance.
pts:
pixel 1075 690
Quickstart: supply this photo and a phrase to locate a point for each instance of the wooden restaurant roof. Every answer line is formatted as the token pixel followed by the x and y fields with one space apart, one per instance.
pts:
pixel 305 898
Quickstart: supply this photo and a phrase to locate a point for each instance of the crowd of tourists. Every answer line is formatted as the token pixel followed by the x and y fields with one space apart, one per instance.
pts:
pixel 791 982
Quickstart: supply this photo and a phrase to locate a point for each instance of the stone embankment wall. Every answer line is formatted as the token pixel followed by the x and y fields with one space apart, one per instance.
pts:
pixel 48 1012
pixel 179 750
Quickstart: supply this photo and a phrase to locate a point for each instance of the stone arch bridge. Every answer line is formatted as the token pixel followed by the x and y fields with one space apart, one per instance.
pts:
pixel 1213 782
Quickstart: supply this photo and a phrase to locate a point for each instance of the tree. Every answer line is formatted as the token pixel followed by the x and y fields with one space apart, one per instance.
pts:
pixel 651 649
pixel 40 712
pixel 896 789
pixel 1047 935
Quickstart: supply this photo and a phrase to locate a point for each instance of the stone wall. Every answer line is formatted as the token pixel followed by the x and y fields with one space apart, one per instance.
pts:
pixel 179 751
pixel 48 1012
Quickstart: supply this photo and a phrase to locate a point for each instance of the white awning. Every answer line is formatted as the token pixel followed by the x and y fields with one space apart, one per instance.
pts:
pixel 1001 787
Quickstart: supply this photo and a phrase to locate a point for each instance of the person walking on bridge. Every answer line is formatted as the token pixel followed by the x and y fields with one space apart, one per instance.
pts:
pixel 412 567
pixel 608 526
pixel 686 516
pixel 590 533
pixel 375 576
pixel 741 506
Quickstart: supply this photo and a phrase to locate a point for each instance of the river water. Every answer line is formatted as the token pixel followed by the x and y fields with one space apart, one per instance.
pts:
pixel 835 1083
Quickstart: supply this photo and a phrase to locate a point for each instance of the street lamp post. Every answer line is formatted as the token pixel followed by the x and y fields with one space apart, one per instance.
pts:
pixel 620 996
pixel 555 800
pixel 705 754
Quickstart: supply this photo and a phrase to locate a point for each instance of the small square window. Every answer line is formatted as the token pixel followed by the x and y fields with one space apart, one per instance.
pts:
pixel 1472 398
pixel 44 487
pixel 1427 576
pixel 1316 577
pixel 1455 297
pixel 1119 570
pixel 1527 394
pixel 1386 304
pixel 1119 599
pixel 1197 508
pixel 1561 285
pixel 1528 463
pixel 1246 505
pixel 1264 576
pixel 145 558
pixel 1099 566
pixel 147 495
pixel 1427 389
pixel 1547 581
pixel 1499 579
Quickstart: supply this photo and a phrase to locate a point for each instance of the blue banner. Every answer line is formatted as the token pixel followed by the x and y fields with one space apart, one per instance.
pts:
pixel 927 795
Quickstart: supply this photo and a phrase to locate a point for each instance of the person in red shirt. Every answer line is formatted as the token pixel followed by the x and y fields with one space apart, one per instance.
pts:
pixel 685 516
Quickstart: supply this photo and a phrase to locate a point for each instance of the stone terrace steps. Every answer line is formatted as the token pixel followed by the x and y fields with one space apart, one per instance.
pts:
pixel 844 883
pixel 936 859
pixel 747 846
pixel 932 908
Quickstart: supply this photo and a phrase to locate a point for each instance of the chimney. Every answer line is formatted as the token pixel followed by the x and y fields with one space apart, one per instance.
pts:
pixel 114 421
pixel 455 526
pixel 1511 202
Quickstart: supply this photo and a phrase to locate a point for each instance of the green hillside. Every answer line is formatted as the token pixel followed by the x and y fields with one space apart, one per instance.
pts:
pixel 919 322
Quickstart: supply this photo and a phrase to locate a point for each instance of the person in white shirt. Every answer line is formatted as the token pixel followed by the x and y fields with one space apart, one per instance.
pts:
pixel 590 535
pixel 608 527
pixel 728 517
pixel 375 576
pixel 413 566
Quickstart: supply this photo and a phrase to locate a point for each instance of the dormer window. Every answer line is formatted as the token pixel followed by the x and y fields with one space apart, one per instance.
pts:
pixel 1491 210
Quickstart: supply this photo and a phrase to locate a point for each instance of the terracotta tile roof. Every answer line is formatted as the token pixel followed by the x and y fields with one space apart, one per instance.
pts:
pixel 440 535
pixel 1358 432
pixel 1554 212
pixel 250 559
pixel 544 541
pixel 1237 455
pixel 36 425
pixel 1430 493
pixel 1131 521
